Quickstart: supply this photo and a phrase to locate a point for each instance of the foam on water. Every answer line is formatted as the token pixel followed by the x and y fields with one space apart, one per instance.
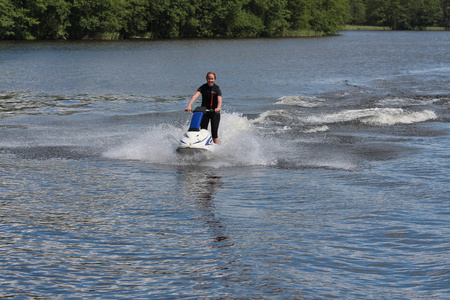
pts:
pixel 240 145
pixel 369 116
pixel 301 101
pixel 401 102
pixel 374 116
pixel 276 138
pixel 150 145
pixel 317 129
pixel 243 143
pixel 401 117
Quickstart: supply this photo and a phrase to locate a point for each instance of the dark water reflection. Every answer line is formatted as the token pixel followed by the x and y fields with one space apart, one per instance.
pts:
pixel 200 186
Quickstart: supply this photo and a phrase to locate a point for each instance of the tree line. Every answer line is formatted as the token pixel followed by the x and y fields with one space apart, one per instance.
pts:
pixel 400 14
pixel 75 19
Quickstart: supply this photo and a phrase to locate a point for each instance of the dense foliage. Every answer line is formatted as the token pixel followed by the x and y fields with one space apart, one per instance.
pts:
pixel 51 19
pixel 400 14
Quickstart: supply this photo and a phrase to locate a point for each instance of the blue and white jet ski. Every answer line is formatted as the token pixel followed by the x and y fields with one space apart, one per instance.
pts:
pixel 195 139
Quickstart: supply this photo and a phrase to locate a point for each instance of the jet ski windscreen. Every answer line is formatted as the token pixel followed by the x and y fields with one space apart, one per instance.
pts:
pixel 196 120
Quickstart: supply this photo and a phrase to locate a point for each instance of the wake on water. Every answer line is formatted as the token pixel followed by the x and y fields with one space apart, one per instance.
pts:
pixel 291 136
pixel 241 144
pixel 284 138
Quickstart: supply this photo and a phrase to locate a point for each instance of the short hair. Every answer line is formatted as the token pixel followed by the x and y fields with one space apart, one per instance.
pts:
pixel 214 74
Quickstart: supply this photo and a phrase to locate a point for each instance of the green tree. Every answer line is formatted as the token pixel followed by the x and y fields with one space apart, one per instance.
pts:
pixel 237 21
pixel 300 13
pixel 136 18
pixel 405 14
pixel 8 19
pixel 94 18
pixel 446 14
pixel 15 20
pixel 328 16
pixel 210 15
pixel 357 12
pixel 385 13
pixel 226 18
pixel 425 13
pixel 273 14
pixel 172 18
pixel 53 18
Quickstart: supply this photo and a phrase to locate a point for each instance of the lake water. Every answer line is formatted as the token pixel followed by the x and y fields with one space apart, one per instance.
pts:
pixel 331 179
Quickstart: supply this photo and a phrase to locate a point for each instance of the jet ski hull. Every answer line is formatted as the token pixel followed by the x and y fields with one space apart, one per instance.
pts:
pixel 196 139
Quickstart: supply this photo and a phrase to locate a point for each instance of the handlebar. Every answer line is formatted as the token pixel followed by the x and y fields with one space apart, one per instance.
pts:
pixel 201 108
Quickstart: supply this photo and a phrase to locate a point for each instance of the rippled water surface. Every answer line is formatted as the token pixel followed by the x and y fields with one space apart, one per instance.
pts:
pixel 330 180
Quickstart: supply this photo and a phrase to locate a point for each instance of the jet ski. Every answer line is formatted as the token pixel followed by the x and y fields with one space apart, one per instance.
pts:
pixel 196 140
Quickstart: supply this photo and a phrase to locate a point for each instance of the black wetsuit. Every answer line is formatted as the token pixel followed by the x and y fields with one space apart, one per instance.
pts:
pixel 209 100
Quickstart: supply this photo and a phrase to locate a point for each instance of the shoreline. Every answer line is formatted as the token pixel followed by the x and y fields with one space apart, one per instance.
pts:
pixel 289 34
pixel 385 28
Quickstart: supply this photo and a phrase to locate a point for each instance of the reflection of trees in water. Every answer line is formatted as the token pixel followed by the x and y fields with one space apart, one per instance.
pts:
pixel 201 186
